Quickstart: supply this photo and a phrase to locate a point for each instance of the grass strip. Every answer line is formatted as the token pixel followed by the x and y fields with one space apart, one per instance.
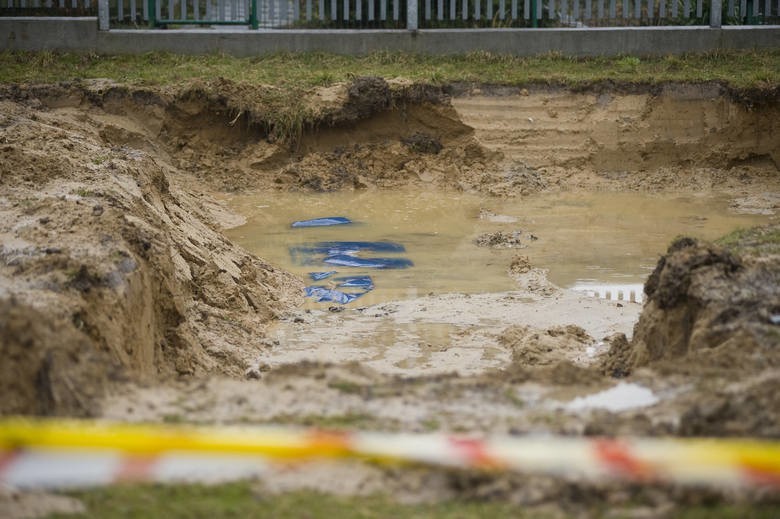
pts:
pixel 738 69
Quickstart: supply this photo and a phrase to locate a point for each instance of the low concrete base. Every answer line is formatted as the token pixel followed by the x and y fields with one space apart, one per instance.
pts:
pixel 81 34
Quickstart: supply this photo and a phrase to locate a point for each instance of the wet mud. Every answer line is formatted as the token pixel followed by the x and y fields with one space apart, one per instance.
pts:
pixel 125 295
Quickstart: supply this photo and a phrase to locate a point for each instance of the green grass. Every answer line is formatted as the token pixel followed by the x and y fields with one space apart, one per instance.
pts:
pixel 238 500
pixel 340 421
pixel 738 69
pixel 763 240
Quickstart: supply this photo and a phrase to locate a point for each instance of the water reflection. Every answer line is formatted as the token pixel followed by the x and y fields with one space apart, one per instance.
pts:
pixel 586 240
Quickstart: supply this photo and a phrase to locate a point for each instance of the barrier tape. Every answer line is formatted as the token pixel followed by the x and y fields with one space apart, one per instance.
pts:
pixel 58 454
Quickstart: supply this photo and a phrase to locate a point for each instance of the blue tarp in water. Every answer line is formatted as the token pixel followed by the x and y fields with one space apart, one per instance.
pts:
pixel 364 282
pixel 330 248
pixel 345 247
pixel 345 260
pixel 324 294
pixel 322 222
pixel 319 276
pixel 346 254
pixel 316 253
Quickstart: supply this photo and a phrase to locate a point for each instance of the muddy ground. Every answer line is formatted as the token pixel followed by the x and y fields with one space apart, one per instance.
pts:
pixel 121 298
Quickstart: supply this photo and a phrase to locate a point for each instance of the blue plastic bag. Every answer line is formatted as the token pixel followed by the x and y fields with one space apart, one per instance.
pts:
pixel 364 282
pixel 322 222
pixel 324 294
pixel 319 276
pixel 345 260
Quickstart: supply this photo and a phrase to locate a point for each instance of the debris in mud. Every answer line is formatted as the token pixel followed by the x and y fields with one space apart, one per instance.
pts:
pixel 520 265
pixel 324 294
pixel 346 247
pixel 345 254
pixel 364 282
pixel 319 276
pixel 505 240
pixel 346 260
pixel 422 143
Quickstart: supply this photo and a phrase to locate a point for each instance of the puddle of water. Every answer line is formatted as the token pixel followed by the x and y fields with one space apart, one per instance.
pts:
pixel 586 240
pixel 622 397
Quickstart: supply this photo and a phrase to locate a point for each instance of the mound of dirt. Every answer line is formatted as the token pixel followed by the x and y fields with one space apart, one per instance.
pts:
pixel 707 302
pixel 123 263
pixel 533 347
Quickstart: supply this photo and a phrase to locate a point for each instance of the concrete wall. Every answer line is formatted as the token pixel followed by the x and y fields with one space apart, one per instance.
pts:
pixel 81 34
pixel 48 33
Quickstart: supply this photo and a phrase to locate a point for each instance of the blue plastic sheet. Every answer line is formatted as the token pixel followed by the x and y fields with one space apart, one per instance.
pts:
pixel 345 289
pixel 345 247
pixel 323 222
pixel 325 294
pixel 319 276
pixel 364 282
pixel 329 248
pixel 345 260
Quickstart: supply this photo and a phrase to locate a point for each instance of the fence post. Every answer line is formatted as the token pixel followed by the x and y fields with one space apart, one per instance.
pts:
pixel 411 15
pixel 103 15
pixel 253 15
pixel 715 13
pixel 152 14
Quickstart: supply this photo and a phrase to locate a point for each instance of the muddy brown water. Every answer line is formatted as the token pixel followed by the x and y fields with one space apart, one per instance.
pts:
pixel 582 238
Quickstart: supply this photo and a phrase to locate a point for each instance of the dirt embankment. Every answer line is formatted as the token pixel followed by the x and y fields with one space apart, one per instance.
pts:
pixel 712 320
pixel 653 138
pixel 110 244
pixel 113 265
pixel 113 262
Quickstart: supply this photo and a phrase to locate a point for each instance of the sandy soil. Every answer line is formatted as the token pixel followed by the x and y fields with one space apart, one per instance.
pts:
pixel 120 298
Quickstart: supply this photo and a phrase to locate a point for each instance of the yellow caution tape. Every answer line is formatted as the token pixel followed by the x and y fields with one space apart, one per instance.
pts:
pixel 31 449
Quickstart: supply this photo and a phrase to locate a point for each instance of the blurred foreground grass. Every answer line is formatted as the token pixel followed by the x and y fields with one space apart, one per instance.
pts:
pixel 238 500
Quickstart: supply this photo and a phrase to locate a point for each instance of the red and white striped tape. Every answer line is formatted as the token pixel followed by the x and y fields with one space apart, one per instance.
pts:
pixel 57 454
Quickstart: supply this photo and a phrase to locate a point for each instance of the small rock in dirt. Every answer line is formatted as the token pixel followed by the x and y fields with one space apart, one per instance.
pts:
pixel 335 309
pixel 97 210
pixel 44 220
pixel 298 320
